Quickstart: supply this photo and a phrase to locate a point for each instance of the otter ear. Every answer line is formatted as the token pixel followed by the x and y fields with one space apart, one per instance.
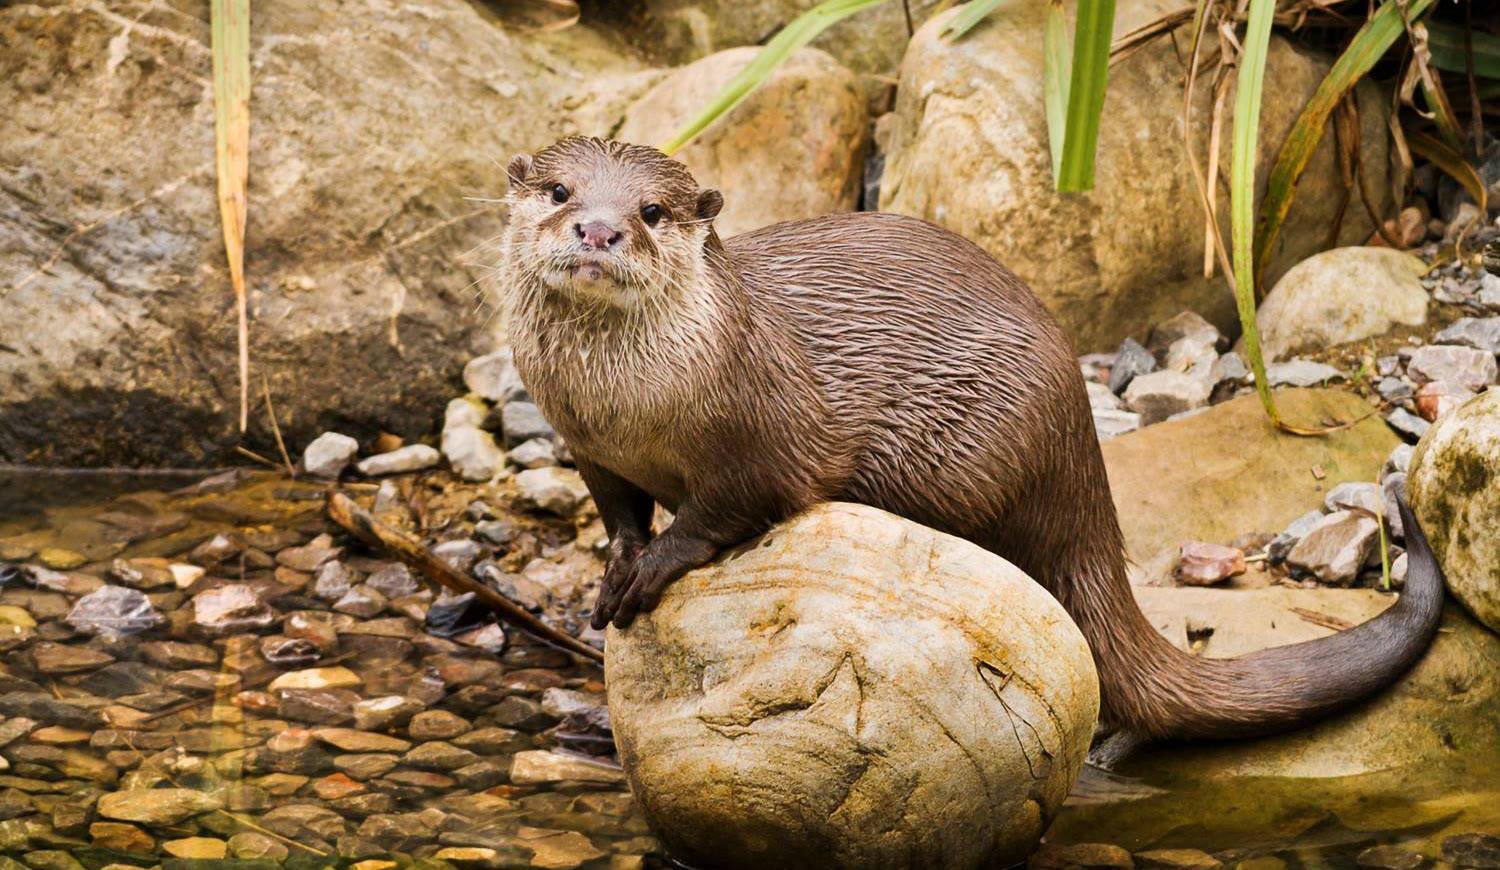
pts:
pixel 518 170
pixel 709 204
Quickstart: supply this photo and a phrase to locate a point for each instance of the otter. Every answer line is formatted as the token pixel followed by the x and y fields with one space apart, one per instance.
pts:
pixel 862 357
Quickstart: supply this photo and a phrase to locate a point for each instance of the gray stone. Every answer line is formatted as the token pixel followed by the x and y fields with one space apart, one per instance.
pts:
pixel 1407 423
pixel 1455 490
pixel 1109 424
pixel 1101 398
pixel 1488 296
pixel 1301 373
pixel 523 421
pixel 1339 296
pixel 1131 360
pixel 1467 367
pixel 1478 851
pixel 1365 496
pixel 412 457
pixel 469 410
pixel 1282 544
pixel 494 377
pixel 1229 367
pixel 558 491
pixel 1336 547
pixel 461 553
pixel 1160 394
pixel 536 453
pixel 1394 389
pixel 1399 460
pixel 950 787
pixel 113 611
pixel 329 454
pixel 378 714
pixel 1480 333
pixel 1180 326
pixel 1391 486
pixel 472 453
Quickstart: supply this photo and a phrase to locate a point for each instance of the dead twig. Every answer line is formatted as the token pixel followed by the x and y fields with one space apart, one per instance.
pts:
pixel 1322 619
pixel 265 388
pixel 343 510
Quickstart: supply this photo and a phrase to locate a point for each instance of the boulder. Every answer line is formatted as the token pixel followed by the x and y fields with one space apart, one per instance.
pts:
pixel 1339 296
pixel 684 30
pixel 969 150
pixel 1454 486
pixel 852 690
pixel 793 149
pixel 359 232
pixel 1227 471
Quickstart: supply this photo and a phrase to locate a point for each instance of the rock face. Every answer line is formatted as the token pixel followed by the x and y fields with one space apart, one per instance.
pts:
pixel 1212 476
pixel 1454 486
pixel 683 30
pixel 1339 296
pixel 968 149
pixel 111 253
pixel 767 713
pixel 793 149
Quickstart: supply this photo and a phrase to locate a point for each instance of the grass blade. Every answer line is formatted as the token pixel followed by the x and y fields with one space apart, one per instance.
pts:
pixel 973 12
pixel 231 58
pixel 1446 42
pixel 1092 33
pixel 1056 60
pixel 1370 42
pixel 1242 187
pixel 802 30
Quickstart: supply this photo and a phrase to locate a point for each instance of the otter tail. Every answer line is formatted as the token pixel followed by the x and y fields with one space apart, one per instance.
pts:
pixel 1155 689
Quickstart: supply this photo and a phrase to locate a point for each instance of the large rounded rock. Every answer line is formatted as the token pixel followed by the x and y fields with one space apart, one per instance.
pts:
pixel 852 690
pixel 1454 486
pixel 1340 296
pixel 793 149
pixel 968 149
pixel 373 131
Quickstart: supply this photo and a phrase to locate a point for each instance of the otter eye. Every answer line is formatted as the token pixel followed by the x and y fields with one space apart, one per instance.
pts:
pixel 651 213
pixel 559 194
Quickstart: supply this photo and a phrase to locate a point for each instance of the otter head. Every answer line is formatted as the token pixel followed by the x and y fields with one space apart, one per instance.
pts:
pixel 605 222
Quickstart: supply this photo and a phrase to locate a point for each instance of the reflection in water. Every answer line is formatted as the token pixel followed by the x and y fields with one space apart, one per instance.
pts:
pixel 300 699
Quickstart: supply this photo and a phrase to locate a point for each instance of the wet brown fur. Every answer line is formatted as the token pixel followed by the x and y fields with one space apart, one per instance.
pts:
pixel 877 359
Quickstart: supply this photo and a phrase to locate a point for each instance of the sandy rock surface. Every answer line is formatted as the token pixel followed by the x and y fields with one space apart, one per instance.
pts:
pixel 852 690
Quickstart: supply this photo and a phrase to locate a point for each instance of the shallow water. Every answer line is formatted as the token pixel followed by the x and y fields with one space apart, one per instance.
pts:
pixel 426 808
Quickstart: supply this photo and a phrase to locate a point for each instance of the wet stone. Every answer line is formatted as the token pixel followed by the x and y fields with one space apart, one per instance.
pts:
pixel 334 580
pixel 378 714
pixel 336 677
pixel 437 725
pixel 353 740
pixel 1390 858
pixel 362 601
pixel 438 755
pixel 311 557
pixel 1081 856
pixel 56 659
pixel 231 609
pixel 393 581
pixel 289 651
pixel 220 548
pixel 490 740
pixel 537 766
pixel 364 766
pixel 66 582
pixel 327 707
pixel 156 806
pixel 121 837
pixel 143 574
pixel 122 678
pixel 252 845
pixel 1479 851
pixel 113 611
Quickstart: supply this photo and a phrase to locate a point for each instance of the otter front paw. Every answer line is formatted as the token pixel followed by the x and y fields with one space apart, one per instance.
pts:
pixel 663 560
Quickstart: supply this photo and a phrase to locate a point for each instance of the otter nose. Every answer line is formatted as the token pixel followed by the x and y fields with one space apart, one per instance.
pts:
pixel 597 234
